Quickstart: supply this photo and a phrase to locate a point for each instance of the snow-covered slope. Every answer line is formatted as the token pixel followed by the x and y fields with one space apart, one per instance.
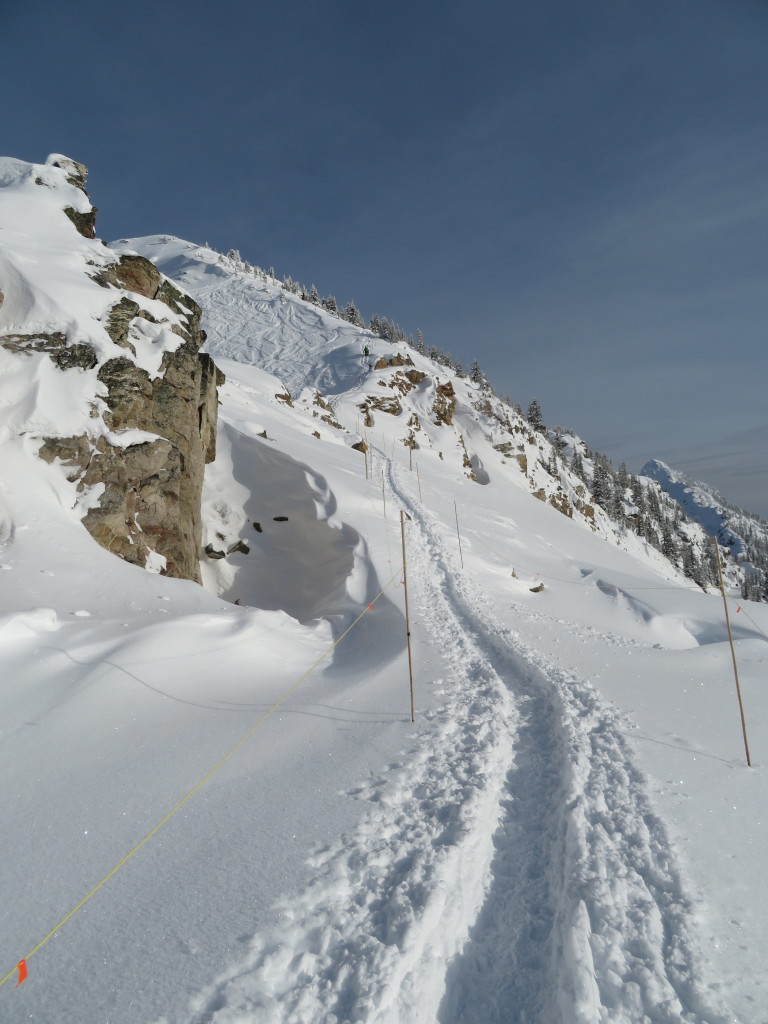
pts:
pixel 744 534
pixel 566 834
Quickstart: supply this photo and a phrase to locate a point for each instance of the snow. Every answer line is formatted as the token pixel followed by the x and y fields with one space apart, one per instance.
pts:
pixel 568 833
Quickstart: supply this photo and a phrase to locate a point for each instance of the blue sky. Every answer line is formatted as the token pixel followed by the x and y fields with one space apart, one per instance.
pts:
pixel 573 193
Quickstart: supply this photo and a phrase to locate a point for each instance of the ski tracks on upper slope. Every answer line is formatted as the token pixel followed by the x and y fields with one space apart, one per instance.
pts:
pixel 587 918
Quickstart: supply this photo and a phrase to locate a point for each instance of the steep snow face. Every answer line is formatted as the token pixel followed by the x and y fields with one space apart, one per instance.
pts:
pixel 704 505
pixel 744 535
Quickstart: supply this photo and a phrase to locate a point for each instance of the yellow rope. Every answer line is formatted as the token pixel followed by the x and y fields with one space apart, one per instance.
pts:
pixel 204 779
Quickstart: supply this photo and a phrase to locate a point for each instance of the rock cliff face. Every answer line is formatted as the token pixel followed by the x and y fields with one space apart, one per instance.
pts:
pixel 151 395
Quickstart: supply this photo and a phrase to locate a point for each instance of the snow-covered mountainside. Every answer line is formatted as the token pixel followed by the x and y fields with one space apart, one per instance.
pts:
pixel 216 806
pixel 745 535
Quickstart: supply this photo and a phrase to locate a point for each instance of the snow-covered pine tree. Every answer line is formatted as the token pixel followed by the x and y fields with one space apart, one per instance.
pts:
pixel 577 465
pixel 602 484
pixel 534 415
pixel 352 314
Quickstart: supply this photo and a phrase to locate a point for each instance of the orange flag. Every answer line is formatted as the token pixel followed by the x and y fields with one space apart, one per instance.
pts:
pixel 22 966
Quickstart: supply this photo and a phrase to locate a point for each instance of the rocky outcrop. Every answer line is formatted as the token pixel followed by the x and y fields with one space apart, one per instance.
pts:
pixel 77 175
pixel 396 360
pixel 56 345
pixel 150 500
pixel 152 430
pixel 445 403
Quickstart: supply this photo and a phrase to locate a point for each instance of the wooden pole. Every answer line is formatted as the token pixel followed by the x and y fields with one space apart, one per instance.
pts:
pixel 456 513
pixel 410 458
pixel 418 478
pixel 733 652
pixel 383 494
pixel 407 616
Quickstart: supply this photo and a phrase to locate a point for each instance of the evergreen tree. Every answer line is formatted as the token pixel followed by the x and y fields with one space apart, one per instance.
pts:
pixel 602 488
pixel 420 343
pixel 618 513
pixel 352 314
pixel 668 543
pixel 534 415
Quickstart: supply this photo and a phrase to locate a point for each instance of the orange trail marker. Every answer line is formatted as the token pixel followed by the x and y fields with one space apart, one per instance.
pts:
pixel 370 607
pixel 22 966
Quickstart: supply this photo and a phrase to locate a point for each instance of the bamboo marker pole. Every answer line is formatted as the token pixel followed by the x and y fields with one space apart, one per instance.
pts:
pixel 383 494
pixel 418 478
pixel 456 513
pixel 407 617
pixel 733 652
pixel 410 458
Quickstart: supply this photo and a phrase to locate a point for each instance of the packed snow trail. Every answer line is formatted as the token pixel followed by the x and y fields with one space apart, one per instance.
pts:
pixel 510 868
pixel 370 938
pixel 600 902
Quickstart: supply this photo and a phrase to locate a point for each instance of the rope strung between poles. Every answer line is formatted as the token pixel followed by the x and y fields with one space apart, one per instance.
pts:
pixel 21 966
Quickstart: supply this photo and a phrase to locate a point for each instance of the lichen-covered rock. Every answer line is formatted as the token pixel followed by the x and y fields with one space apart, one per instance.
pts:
pixel 561 503
pixel 56 345
pixel 445 403
pixel 133 273
pixel 84 221
pixel 180 405
pixel 396 360
pixel 119 320
pixel 77 173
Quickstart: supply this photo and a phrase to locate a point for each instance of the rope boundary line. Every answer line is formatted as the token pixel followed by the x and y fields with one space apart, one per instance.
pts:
pixel 368 607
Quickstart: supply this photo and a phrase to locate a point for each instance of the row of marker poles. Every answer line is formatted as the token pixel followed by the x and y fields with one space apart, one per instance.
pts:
pixel 461 556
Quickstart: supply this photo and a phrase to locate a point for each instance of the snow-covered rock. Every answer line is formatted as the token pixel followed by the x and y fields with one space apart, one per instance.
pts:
pixel 102 369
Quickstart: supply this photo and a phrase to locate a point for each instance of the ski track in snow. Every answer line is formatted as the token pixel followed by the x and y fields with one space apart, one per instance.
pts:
pixel 510 868
pixel 597 883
